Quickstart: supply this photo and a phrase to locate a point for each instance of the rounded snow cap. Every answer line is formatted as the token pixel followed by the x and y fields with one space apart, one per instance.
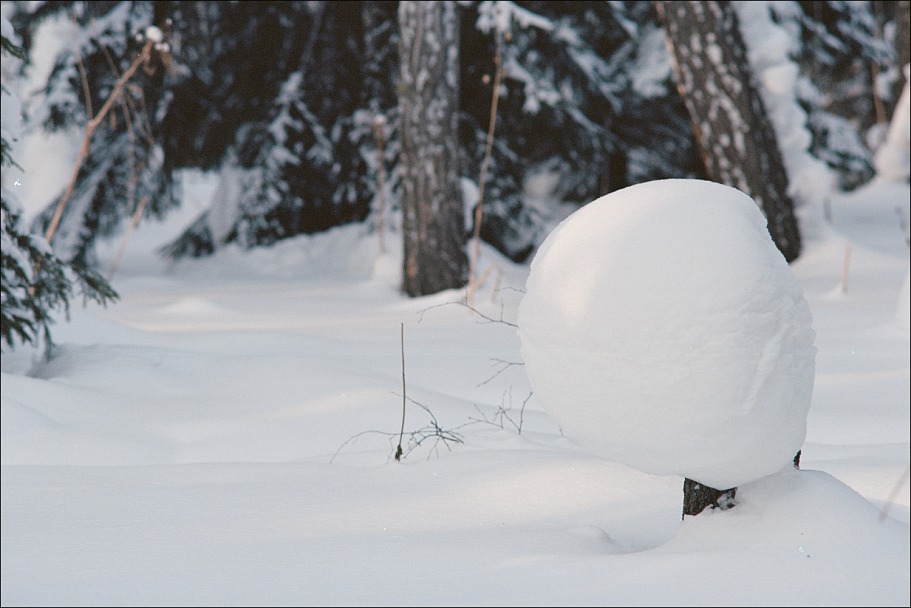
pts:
pixel 662 328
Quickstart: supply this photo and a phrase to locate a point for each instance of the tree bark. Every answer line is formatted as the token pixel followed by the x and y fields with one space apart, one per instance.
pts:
pixel 902 44
pixel 697 497
pixel 730 121
pixel 433 223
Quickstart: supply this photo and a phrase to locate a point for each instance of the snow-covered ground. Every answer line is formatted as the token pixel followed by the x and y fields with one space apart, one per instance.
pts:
pixel 224 435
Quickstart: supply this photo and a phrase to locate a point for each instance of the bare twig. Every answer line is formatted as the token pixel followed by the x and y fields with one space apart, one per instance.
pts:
pixel 846 264
pixel 485 162
pixel 378 123
pixel 85 83
pixel 487 318
pixel 503 366
pixel 398 450
pixel 134 221
pixel 894 493
pixel 131 189
pixel 502 414
pixel 145 125
pixel 90 128
pixel 432 431
pixel 147 129
pixel 474 286
pixel 353 439
pixel 879 107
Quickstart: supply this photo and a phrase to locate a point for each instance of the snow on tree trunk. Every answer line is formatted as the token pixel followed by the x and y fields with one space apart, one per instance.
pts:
pixel 731 123
pixel 433 220
pixel 770 47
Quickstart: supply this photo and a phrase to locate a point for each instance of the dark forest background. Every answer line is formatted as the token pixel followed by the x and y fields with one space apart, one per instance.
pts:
pixel 297 106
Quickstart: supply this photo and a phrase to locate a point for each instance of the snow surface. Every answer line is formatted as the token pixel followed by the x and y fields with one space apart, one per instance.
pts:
pixel 663 329
pixel 224 436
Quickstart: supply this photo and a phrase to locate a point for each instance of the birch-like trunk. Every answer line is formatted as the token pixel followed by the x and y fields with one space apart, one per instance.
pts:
pixel 731 123
pixel 433 219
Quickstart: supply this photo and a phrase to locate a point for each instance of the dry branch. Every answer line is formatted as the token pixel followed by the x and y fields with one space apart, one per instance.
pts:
pixel 473 283
pixel 90 128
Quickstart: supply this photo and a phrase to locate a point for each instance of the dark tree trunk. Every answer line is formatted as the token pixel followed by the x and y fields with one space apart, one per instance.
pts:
pixel 697 498
pixel 433 219
pixel 734 133
pixel 902 51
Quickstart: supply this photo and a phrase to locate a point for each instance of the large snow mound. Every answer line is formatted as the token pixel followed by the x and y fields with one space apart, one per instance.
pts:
pixel 662 328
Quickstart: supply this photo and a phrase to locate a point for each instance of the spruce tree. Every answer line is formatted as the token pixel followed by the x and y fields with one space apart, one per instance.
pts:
pixel 123 166
pixel 36 285
pixel 841 50
pixel 272 205
pixel 283 99
pixel 298 155
pixel 575 102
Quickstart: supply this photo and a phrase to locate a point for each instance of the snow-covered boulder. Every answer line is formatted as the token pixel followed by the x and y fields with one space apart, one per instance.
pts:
pixel 662 328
